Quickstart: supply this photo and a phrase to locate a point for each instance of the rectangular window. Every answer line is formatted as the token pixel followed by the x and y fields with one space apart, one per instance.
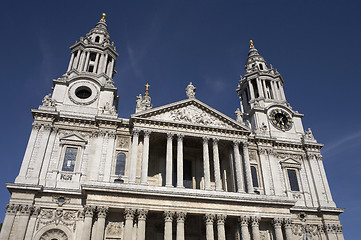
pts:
pixel 254 176
pixel 120 164
pixel 69 159
pixel 292 177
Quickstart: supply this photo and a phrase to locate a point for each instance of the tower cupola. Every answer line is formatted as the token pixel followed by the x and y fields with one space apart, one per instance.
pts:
pixel 255 62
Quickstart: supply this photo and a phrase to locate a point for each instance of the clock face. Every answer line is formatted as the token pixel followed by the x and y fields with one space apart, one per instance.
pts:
pixel 281 119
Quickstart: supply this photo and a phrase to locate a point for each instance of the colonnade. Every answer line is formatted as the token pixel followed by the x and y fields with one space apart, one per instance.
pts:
pixel 243 176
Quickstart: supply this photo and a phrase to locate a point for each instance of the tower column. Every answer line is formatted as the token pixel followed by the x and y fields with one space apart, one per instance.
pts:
pixel 282 92
pixel 255 227
pixel 217 170
pixel 209 218
pixel 264 88
pixel 104 66
pixel 247 167
pixel 277 224
pixel 82 61
pixel 259 86
pixel 168 220
pixel 251 90
pixel 288 228
pixel 71 62
pixel 100 226
pixel 96 63
pixel 220 227
pixel 110 68
pixel 85 66
pixel 88 220
pixel 207 177
pixel 243 221
pixel 128 226
pixel 142 217
pixel 134 157
pixel 237 164
pixel 181 216
pixel 180 161
pixel 169 161
pixel 31 225
pixel 145 159
pixel 22 221
pixel 11 210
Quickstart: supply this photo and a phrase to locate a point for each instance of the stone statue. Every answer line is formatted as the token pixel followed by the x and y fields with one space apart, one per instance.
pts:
pixel 191 90
pixel 48 102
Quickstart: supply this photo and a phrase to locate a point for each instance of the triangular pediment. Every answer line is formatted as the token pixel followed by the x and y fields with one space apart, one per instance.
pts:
pixel 191 112
pixel 290 162
pixel 73 138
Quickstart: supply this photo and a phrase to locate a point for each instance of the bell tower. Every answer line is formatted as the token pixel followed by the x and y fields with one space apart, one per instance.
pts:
pixel 87 87
pixel 264 107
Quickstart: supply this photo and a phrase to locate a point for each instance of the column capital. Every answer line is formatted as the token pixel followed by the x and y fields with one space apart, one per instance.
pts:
pixel 129 213
pixel 236 143
pixel 255 220
pixel 181 216
pixel 287 222
pixel 180 136
pixel 215 141
pixel 135 132
pixel 245 143
pixel 147 133
pixel 25 209
pixel 209 218
pixel 221 218
pixel 277 222
pixel 12 208
pixel 88 211
pixel 36 126
pixel 102 212
pixel 205 139
pixel 243 220
pixel 170 135
pixel 168 216
pixel 142 214
pixel 35 211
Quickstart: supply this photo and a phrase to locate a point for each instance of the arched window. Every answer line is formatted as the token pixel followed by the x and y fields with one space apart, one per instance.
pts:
pixel 120 164
pixel 97 39
pixel 254 176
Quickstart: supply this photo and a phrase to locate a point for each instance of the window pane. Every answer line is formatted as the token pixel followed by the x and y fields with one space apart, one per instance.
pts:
pixel 120 164
pixel 254 176
pixel 69 159
pixel 292 176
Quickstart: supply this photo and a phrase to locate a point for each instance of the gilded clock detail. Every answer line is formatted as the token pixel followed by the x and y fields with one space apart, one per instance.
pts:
pixel 281 119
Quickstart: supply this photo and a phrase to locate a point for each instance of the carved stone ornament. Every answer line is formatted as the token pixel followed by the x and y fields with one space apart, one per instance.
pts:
pixel 88 211
pixel 191 115
pixel 221 218
pixel 142 214
pixel 238 114
pixel 243 220
pixel 129 213
pixel 191 90
pixel 181 216
pixel 305 230
pixel 308 137
pixel 108 109
pixel 12 208
pixel 262 130
pixel 102 212
pixel 168 216
pixel 209 218
pixel 57 216
pixel 143 103
pixel 123 142
pixel 115 229
pixel 48 103
pixel 277 222
pixel 54 234
pixel 66 176
pixel 255 220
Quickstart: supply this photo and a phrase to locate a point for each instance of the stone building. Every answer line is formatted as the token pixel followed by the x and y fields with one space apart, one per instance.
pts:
pixel 178 171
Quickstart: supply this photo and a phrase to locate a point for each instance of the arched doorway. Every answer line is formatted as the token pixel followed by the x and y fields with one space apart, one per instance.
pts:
pixel 54 234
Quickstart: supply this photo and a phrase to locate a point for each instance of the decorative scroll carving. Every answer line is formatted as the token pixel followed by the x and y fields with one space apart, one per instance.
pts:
pixel 88 211
pixel 12 208
pixel 58 216
pixel 306 230
pixel 277 222
pixel 25 209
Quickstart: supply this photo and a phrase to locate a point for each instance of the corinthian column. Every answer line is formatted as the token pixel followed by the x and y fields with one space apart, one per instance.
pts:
pixel 277 224
pixel 100 226
pixel 168 219
pixel 181 216
pixel 209 218
pixel 255 227
pixel 88 220
pixel 128 226
pixel 247 167
pixel 145 159
pixel 22 221
pixel 243 221
pixel 169 161
pixel 32 222
pixel 220 226
pixel 288 228
pixel 217 169
pixel 142 217
pixel 134 157
pixel 180 161
pixel 207 175
pixel 237 164
pixel 11 210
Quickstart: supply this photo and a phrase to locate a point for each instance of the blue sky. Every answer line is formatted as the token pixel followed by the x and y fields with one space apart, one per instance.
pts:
pixel 315 45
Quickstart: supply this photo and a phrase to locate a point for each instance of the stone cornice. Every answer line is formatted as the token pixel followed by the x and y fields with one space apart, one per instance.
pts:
pixel 84 46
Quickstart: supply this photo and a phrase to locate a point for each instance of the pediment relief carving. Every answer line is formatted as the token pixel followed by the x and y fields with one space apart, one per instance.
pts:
pixel 73 139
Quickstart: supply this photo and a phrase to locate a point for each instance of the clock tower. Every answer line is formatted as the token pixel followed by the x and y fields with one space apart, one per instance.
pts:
pixel 264 107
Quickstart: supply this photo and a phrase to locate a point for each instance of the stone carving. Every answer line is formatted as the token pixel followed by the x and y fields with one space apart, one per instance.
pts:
pixel 25 209
pixel 277 222
pixel 48 102
pixel 255 220
pixel 61 200
pixel 243 220
pixel 238 114
pixel 308 137
pixel 66 177
pixel 88 211
pixel 12 208
pixel 168 216
pixel 306 230
pixel 262 130
pixel 221 218
pixel 129 213
pixel 54 234
pixel 209 218
pixel 58 216
pixel 191 90
pixel 142 214
pixel 181 216
pixel 115 229
pixel 108 109
pixel 143 103
pixel 102 212
pixel 123 142
pixel 302 216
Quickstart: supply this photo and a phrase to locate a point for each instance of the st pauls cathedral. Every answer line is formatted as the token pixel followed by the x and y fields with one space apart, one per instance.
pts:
pixel 181 171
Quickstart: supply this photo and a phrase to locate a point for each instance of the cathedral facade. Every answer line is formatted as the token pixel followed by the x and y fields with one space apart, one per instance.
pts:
pixel 181 171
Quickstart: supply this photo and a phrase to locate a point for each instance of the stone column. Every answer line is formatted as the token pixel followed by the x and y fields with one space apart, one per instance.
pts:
pixel 217 169
pixel 209 218
pixel 11 210
pixel 237 164
pixel 100 226
pixel 82 62
pixel 128 226
pixel 181 216
pixel 180 161
pixel 105 61
pixel 145 159
pixel 22 221
pixel 86 62
pixel 288 228
pixel 134 157
pixel 96 63
pixel 70 62
pixel 251 90
pixel 324 178
pixel 207 177
pixel 88 221
pixel 339 232
pixel 277 224
pixel 260 89
pixel 110 68
pixel 247 167
pixel 31 225
pixel 142 217
pixel 255 227
pixel 330 231
pixel 169 161
pixel 243 221
pixel 168 220
pixel 220 226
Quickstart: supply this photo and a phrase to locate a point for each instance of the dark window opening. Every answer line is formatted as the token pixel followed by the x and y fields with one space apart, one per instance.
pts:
pixel 91 68
pixel 254 176
pixel 269 90
pixel 255 88
pixel 260 66
pixel 92 57
pixel 292 177
pixel 120 164
pixel 69 159
pixel 83 92
pixel 97 39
